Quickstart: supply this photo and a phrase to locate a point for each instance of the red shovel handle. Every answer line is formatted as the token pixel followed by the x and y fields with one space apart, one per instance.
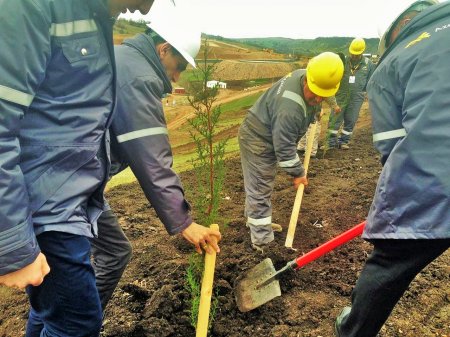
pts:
pixel 329 245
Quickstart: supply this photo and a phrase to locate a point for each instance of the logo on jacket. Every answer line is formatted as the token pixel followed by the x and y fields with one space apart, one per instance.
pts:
pixel 422 36
pixel 282 82
pixel 442 28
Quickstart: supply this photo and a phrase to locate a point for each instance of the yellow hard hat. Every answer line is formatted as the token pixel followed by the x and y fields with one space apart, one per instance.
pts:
pixel 324 73
pixel 357 46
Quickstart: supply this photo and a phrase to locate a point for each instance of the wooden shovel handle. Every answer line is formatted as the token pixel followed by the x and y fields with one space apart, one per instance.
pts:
pixel 309 145
pixel 206 290
pixel 300 190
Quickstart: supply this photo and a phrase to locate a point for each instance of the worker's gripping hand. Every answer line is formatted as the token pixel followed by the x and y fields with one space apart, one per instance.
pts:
pixel 202 238
pixel 321 114
pixel 337 109
pixel 300 180
pixel 33 274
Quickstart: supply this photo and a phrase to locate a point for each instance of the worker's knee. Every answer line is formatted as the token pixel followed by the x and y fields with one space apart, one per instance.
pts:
pixel 125 252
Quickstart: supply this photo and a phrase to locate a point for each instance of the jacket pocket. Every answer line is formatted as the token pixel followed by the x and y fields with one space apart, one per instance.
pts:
pixel 62 163
pixel 85 48
pixel 381 210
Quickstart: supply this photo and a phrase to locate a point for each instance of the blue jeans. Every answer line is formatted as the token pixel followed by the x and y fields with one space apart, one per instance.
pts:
pixel 67 303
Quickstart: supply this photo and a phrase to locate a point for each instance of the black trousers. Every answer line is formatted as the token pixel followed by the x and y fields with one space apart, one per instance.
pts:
pixel 111 252
pixel 386 275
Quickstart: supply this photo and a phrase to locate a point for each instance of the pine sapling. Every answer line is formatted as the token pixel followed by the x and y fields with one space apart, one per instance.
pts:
pixel 208 165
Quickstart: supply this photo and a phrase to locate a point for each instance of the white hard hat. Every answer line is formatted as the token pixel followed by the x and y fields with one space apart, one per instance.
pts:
pixel 169 23
pixel 397 10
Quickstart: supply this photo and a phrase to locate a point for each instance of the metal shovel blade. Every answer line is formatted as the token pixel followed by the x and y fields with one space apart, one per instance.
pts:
pixel 254 288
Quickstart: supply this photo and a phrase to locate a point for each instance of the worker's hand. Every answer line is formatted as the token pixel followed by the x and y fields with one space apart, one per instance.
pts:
pixel 33 274
pixel 322 112
pixel 202 238
pixel 300 180
pixel 337 109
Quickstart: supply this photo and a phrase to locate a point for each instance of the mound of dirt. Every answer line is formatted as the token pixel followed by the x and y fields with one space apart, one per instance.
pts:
pixel 241 70
pixel 233 51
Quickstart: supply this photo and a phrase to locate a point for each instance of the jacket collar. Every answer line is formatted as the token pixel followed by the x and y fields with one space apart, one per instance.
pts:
pixel 428 16
pixel 145 45
pixel 100 8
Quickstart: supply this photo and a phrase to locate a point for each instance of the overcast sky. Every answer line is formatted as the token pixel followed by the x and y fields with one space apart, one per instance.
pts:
pixel 288 18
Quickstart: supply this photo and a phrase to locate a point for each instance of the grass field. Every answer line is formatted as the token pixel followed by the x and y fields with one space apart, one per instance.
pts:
pixel 232 114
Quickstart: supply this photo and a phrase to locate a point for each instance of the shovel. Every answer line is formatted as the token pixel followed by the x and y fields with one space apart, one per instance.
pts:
pixel 300 190
pixel 259 285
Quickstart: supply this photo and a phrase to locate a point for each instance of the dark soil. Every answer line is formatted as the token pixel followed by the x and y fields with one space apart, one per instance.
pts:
pixel 152 300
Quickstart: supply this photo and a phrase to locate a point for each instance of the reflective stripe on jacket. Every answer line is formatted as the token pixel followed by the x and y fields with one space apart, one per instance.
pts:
pixel 278 119
pixel 140 136
pixel 56 96
pixel 410 103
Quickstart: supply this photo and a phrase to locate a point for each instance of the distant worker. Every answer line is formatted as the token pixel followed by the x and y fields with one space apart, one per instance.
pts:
pixel 146 65
pixel 301 147
pixel 409 221
pixel 270 132
pixel 350 96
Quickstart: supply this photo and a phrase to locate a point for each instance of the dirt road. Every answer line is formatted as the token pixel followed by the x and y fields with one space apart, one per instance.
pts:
pixel 185 112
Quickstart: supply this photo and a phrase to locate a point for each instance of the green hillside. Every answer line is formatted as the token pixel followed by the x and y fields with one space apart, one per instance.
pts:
pixel 301 47
pixel 304 47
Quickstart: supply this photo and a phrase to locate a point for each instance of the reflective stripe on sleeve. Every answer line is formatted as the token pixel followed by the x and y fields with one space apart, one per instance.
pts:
pixel 346 132
pixel 260 222
pixel 73 27
pixel 141 133
pixel 335 132
pixel 296 98
pixel 389 135
pixel 290 163
pixel 15 96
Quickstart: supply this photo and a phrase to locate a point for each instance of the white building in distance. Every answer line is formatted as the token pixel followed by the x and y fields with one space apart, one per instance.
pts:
pixel 213 84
